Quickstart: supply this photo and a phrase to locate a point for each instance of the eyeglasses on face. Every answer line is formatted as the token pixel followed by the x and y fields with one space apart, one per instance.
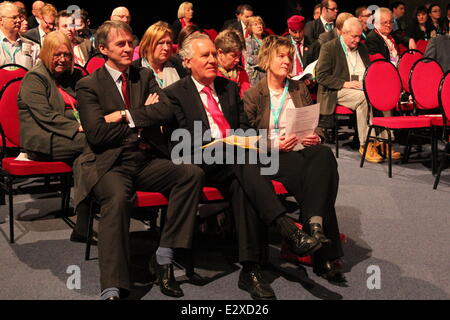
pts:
pixel 18 17
pixel 333 9
pixel 66 55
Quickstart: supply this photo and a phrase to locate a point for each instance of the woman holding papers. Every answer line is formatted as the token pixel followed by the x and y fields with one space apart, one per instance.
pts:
pixel 307 169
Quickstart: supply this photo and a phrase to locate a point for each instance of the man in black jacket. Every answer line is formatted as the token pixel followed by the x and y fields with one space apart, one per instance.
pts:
pixel 324 24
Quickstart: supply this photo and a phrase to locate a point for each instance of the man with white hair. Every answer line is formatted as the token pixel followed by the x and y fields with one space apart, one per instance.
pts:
pixel 14 48
pixel 35 10
pixel 382 40
pixel 123 14
pixel 340 70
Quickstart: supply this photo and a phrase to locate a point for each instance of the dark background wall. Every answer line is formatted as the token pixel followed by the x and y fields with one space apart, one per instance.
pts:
pixel 210 13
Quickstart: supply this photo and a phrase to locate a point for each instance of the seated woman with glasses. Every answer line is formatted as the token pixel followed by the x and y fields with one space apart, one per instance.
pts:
pixel 156 53
pixel 307 169
pixel 229 47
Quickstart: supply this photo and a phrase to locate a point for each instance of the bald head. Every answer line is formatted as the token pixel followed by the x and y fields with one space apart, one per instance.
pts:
pixel 19 4
pixel 121 14
pixel 36 8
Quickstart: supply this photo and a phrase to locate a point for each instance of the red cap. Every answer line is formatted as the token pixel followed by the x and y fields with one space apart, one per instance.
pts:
pixel 296 23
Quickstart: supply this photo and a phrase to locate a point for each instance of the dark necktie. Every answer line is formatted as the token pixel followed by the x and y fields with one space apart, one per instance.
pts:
pixel 126 96
pixel 214 111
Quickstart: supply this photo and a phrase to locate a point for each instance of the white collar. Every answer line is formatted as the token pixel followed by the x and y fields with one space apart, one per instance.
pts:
pixel 115 74
pixel 200 86
pixel 3 37
pixel 324 22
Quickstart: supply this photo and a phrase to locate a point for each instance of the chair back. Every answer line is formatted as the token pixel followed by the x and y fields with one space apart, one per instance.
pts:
pixel 94 63
pixel 83 70
pixel 9 111
pixel 407 59
pixel 212 33
pixel 424 80
pixel 382 85
pixel 444 99
pixel 11 71
pixel 422 45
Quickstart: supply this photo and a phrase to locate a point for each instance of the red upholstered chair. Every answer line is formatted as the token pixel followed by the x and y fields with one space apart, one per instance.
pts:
pixel 83 70
pixel 212 33
pixel 11 169
pixel 94 63
pixel 375 56
pixel 422 45
pixel 444 103
pixel 382 87
pixel 269 31
pixel 407 60
pixel 340 112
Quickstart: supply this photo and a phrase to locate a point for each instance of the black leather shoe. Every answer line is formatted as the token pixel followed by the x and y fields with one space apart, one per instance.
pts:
pixel 252 281
pixel 165 278
pixel 316 231
pixel 331 271
pixel 301 243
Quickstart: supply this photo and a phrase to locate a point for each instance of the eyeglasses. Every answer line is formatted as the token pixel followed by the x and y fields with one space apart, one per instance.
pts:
pixel 386 23
pixel 333 9
pixel 50 24
pixel 62 55
pixel 18 17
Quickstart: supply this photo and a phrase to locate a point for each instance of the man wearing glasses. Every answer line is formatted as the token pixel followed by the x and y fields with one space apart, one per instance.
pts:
pixel 13 48
pixel 123 14
pixel 324 24
pixel 46 24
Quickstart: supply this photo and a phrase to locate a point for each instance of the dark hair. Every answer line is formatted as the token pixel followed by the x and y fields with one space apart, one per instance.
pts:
pixel 431 7
pixel 62 14
pixel 359 11
pixel 420 9
pixel 242 7
pixel 101 36
pixel 395 4
pixel 186 32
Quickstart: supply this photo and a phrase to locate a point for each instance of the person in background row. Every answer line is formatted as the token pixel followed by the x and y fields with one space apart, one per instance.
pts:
pixel 434 14
pixel 35 14
pixel 307 169
pixel 47 17
pixel 420 28
pixel 82 48
pixel 14 48
pixel 243 12
pixel 398 13
pixel 155 51
pixel 49 125
pixel 185 15
pixel 325 23
pixel 24 25
pixel 317 11
pixel 229 47
pixel 255 27
pixel 439 48
pixel 82 23
pixel 363 14
pixel 124 15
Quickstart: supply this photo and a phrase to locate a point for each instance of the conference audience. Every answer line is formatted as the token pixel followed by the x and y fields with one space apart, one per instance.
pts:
pixel 307 169
pixel 434 14
pixel 184 18
pixel 255 27
pixel 155 51
pixel 302 56
pixel 115 103
pixel 14 48
pixel 398 14
pixel 49 125
pixel 421 28
pixel 325 23
pixel 243 12
pixel 35 14
pixel 124 15
pixel 46 19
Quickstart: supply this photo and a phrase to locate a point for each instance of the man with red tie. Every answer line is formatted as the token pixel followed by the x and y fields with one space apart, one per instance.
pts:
pixel 121 115
pixel 213 103
pixel 296 36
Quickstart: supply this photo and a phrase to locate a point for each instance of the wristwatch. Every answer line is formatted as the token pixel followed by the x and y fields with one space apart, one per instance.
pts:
pixel 123 114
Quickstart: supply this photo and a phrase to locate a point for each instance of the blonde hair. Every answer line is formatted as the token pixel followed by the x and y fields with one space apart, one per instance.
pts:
pixel 151 37
pixel 251 20
pixel 270 47
pixel 185 5
pixel 52 42
pixel 341 18
pixel 48 10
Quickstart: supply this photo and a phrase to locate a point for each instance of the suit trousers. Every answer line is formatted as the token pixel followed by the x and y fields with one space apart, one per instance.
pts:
pixel 253 201
pixel 115 191
pixel 311 176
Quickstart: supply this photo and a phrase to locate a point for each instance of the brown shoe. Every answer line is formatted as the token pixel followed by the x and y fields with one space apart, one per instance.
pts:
pixel 394 154
pixel 371 154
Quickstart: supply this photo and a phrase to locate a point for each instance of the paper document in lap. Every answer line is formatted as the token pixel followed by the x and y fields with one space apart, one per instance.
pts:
pixel 308 73
pixel 239 141
pixel 302 121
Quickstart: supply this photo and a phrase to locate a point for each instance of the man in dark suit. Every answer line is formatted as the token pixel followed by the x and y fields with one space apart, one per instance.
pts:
pixel 47 17
pixel 243 12
pixel 340 70
pixel 302 46
pixel 35 14
pixel 324 24
pixel 213 104
pixel 115 104
pixel 439 48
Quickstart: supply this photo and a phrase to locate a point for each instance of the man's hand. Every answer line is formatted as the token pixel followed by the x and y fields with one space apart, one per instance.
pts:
pixel 152 98
pixel 287 143
pixel 412 44
pixel 113 117
pixel 311 140
pixel 80 129
pixel 352 85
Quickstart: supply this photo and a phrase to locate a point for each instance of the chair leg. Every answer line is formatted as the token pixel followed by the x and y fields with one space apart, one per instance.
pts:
pixel 407 149
pixel 11 210
pixel 366 144
pixel 336 139
pixel 441 166
pixel 2 192
pixel 89 232
pixel 389 154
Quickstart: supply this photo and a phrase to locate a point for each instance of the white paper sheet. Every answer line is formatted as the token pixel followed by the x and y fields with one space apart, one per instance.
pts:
pixel 302 121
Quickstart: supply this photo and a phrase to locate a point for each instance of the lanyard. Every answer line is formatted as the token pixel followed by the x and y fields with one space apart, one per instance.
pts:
pixel 158 79
pixel 348 57
pixel 276 113
pixel 13 56
pixel 297 52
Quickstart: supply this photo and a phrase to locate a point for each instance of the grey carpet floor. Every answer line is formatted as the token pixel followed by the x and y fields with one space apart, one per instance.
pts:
pixel 399 227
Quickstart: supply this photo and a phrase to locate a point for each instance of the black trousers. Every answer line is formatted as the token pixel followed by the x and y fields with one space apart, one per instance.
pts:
pixel 253 201
pixel 115 192
pixel 311 176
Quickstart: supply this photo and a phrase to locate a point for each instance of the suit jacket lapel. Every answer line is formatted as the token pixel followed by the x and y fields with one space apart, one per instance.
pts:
pixel 195 101
pixel 108 82
pixel 265 102
pixel 342 58
pixel 135 87
pixel 224 103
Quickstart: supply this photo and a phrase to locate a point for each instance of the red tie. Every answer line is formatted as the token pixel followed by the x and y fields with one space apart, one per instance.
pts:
pixel 246 33
pixel 216 114
pixel 298 65
pixel 126 97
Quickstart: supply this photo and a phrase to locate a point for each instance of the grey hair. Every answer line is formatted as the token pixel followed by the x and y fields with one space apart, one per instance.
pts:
pixel 380 12
pixel 351 22
pixel 4 5
pixel 186 51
